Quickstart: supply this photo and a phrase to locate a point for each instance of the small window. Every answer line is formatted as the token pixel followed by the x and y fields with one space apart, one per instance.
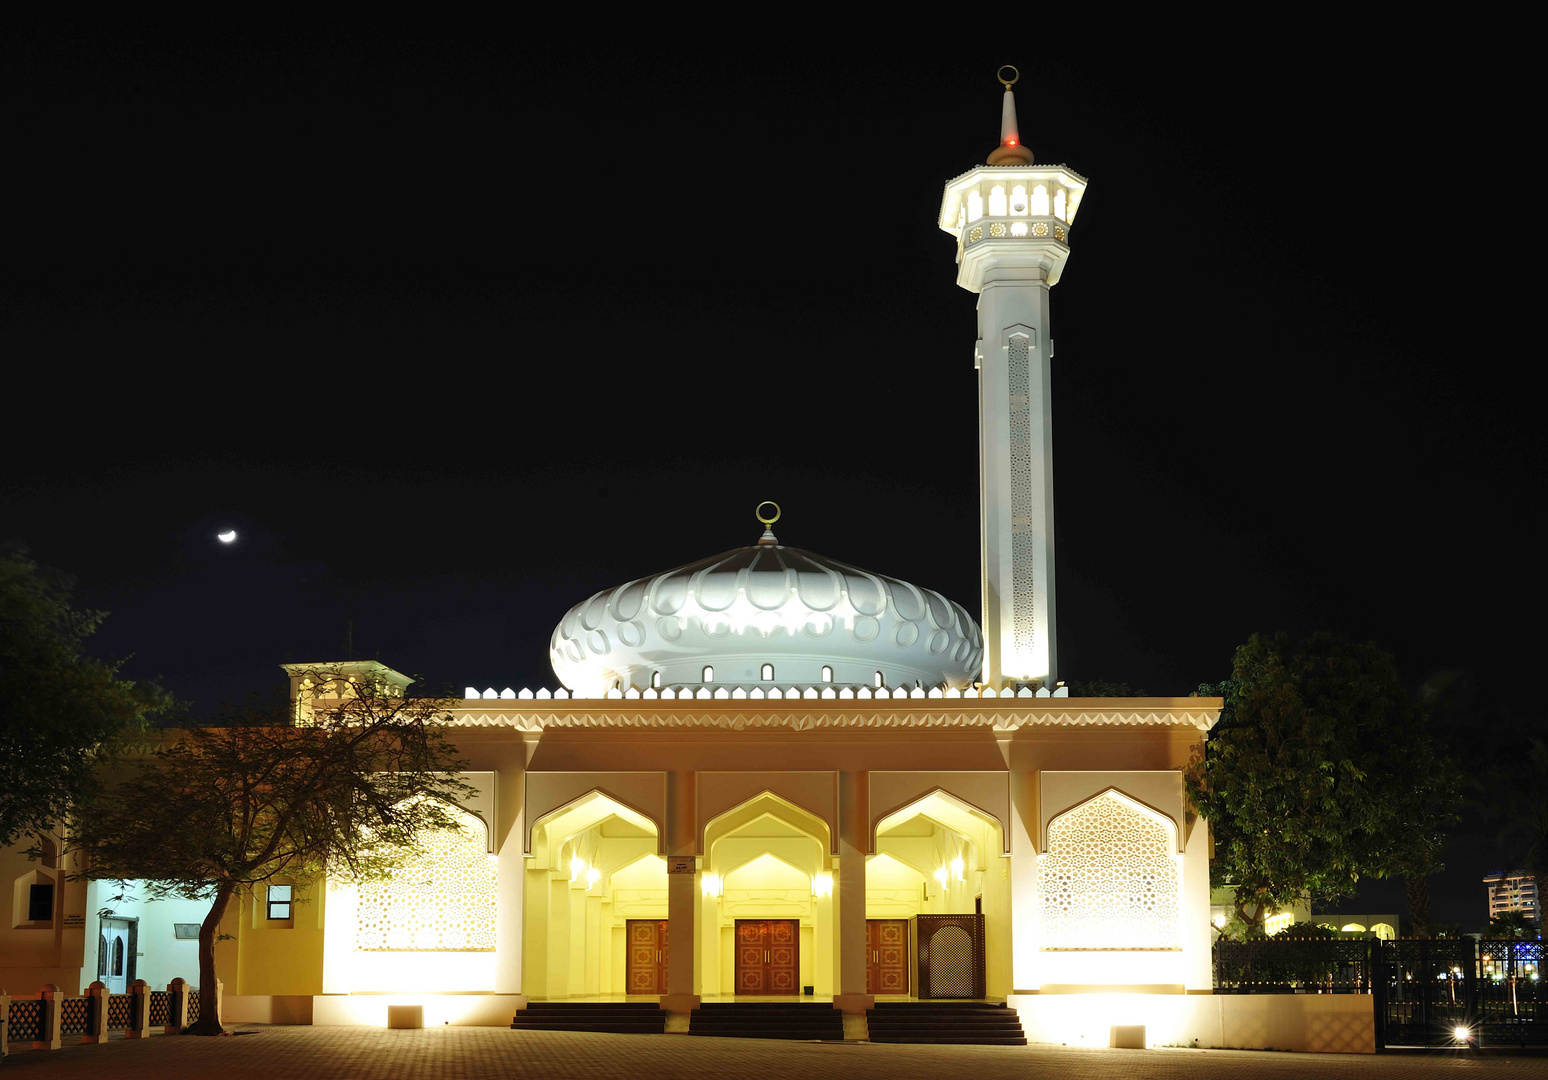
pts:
pixel 40 903
pixel 880 681
pixel 827 673
pixel 279 901
pixel 709 674
pixel 767 674
pixel 655 680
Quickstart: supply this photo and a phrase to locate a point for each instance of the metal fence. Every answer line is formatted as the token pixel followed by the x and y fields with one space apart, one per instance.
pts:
pixel 1426 992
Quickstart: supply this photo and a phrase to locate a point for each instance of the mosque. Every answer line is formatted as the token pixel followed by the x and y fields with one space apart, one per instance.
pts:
pixel 768 773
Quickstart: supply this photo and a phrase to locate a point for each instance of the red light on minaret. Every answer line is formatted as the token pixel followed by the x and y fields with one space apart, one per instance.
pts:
pixel 1010 142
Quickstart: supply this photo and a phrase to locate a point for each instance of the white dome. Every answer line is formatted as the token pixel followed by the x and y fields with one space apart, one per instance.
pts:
pixel 766 606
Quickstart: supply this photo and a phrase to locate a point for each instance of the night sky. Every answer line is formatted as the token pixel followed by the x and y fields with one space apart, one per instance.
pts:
pixel 459 324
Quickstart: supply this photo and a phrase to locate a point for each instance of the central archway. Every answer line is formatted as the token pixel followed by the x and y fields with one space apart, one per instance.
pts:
pixel 766 907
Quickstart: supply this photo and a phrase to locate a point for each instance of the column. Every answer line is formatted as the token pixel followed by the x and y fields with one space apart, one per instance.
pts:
pixel 96 1013
pixel 510 881
pixel 558 936
pixel 849 893
pixel 48 1018
pixel 177 1007
pixel 139 1010
pixel 682 896
pixel 1025 977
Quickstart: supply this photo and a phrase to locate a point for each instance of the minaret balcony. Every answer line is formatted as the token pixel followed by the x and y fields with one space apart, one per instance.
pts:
pixel 1009 194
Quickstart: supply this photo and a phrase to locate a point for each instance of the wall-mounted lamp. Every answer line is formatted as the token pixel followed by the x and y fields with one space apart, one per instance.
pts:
pixel 593 875
pixel 711 885
pixel 940 875
pixel 822 884
pixel 577 867
pixel 956 867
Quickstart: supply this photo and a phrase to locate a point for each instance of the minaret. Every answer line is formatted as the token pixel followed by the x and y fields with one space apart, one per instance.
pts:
pixel 1011 221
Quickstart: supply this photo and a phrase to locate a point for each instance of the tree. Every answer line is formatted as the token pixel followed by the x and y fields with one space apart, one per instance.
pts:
pixel 343 790
pixel 1511 924
pixel 1297 779
pixel 1521 801
pixel 62 713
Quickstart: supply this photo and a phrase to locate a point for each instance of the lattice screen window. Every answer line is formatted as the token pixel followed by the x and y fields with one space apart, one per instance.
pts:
pixel 444 902
pixel 1110 879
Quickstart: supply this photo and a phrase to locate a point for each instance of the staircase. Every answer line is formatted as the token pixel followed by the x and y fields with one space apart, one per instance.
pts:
pixel 945 1022
pixel 639 1018
pixel 768 1020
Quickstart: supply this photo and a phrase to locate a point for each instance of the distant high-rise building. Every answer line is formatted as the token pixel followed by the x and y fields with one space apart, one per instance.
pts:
pixel 1513 892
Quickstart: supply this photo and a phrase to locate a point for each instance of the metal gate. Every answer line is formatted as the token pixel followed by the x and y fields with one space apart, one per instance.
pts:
pixel 950 952
pixel 1512 1001
pixel 1424 992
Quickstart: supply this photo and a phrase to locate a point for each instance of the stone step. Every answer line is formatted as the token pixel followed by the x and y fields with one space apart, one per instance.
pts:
pixel 768 1020
pixel 973 1023
pixel 608 1016
pixel 964 1040
pixel 621 1028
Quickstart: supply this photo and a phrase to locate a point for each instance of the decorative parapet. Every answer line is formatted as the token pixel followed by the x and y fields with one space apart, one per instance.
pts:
pixel 908 714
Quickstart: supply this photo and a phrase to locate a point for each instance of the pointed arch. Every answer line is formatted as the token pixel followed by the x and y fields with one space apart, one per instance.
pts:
pixel 921 804
pixel 595 796
pixel 643 794
pixel 768 803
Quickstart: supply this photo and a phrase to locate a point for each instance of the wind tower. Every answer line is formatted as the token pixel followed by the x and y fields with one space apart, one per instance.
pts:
pixel 1011 219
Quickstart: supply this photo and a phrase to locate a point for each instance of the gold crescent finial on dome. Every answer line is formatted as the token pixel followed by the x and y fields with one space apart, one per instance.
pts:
pixel 758 513
pixel 1013 80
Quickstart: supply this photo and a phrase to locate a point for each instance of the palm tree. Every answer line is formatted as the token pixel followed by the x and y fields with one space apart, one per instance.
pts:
pixel 1511 924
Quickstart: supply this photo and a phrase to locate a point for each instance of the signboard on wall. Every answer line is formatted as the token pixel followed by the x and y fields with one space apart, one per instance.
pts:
pixel 681 864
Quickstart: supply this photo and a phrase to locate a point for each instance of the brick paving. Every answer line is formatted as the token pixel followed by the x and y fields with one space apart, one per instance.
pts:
pixel 349 1053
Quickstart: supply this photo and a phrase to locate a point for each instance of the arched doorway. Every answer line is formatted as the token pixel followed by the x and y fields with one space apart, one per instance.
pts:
pixel 595 905
pixel 766 905
pixel 936 856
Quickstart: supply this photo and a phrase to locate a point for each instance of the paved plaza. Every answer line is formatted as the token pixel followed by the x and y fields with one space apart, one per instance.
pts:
pixel 351 1053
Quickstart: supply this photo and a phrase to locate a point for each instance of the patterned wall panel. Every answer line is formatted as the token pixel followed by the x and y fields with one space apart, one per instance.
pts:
pixel 443 902
pixel 1110 879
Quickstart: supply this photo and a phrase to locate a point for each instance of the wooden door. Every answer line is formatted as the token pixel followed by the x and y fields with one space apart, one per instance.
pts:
pixel 647 956
pixel 886 944
pixel 768 956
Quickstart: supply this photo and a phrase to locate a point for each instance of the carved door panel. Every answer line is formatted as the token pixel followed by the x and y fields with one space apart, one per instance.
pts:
pixel 768 956
pixel 647 955
pixel 886 943
pixel 784 953
pixel 750 968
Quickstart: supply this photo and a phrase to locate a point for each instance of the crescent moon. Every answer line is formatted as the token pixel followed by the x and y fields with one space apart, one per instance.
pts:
pixel 226 537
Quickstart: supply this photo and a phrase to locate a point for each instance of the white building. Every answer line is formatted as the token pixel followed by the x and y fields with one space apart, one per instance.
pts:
pixel 1513 892
pixel 771 773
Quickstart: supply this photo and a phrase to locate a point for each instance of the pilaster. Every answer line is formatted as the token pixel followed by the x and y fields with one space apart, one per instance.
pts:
pixel 849 892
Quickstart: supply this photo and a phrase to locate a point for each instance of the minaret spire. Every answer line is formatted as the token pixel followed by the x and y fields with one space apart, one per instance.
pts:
pixel 1010 151
pixel 1011 220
